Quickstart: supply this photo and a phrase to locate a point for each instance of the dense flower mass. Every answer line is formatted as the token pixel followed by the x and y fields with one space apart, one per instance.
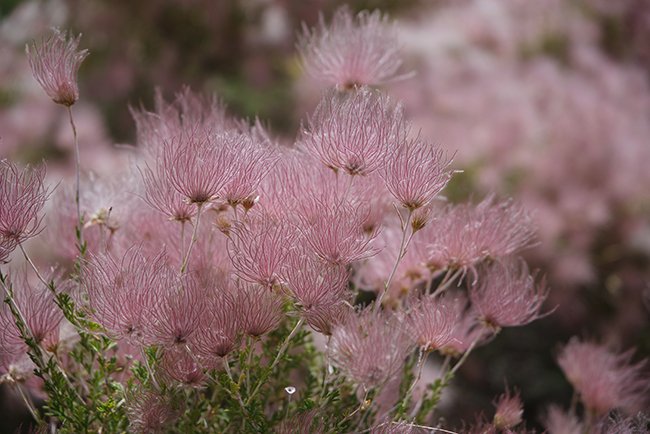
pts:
pixel 339 270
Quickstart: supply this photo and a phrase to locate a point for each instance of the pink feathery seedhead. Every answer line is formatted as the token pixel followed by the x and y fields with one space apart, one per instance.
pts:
pixel 325 318
pixel 122 295
pixel 372 191
pixel 260 310
pixel 415 171
pixel 430 323
pixel 178 312
pixel 466 330
pixel 559 422
pixel 200 163
pixel 187 111
pixel 605 380
pixel 509 411
pixel 354 131
pixel 464 235
pixel 222 322
pixel 160 194
pixel 335 231
pixel 506 294
pixel 12 346
pixel 22 195
pixel 506 227
pixel 370 347
pixel 352 51
pixel 308 422
pixel 319 288
pixel 255 162
pixel 37 305
pixel 55 63
pixel 177 365
pixel 259 246
pixel 149 412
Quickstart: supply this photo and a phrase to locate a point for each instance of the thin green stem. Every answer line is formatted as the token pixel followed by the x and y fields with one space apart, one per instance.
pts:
pixel 420 365
pixel 249 360
pixel 462 360
pixel 30 405
pixel 193 239
pixel 402 251
pixel 31 263
pixel 77 174
pixel 281 351
pixel 447 281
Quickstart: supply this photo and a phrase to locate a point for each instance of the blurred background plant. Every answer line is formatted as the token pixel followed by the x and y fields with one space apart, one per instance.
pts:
pixel 547 102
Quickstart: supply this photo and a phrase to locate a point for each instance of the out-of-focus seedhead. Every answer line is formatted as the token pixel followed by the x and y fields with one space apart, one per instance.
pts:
pixel 351 51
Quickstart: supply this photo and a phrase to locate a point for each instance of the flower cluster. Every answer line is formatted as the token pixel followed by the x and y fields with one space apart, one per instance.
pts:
pixel 227 280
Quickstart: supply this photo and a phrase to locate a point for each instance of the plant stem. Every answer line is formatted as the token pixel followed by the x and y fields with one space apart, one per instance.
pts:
pixel 402 251
pixel 447 281
pixel 420 365
pixel 30 405
pixel 281 351
pixel 193 239
pixel 226 366
pixel 31 263
pixel 77 174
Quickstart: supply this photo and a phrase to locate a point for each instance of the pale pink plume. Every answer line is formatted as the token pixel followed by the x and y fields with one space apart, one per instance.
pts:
pixel 605 380
pixel 259 247
pixel 22 195
pixel 370 347
pixel 319 289
pixel 150 411
pixel 178 365
pixel 187 111
pixel 222 322
pixel 38 307
pixel 354 131
pixel 509 411
pixel 55 63
pixel 260 310
pixel 464 235
pixel 506 294
pixel 160 194
pixel 122 295
pixel 255 160
pixel 351 51
pixel 200 163
pixel 559 422
pixel 415 171
pixel 430 323
pixel 178 312
pixel 466 331
pixel 335 231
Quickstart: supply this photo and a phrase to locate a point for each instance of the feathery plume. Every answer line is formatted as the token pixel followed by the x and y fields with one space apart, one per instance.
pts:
pixel 369 347
pixel 415 171
pixel 351 51
pixel 506 294
pixel 354 131
pixel 22 195
pixel 55 63
pixel 604 379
